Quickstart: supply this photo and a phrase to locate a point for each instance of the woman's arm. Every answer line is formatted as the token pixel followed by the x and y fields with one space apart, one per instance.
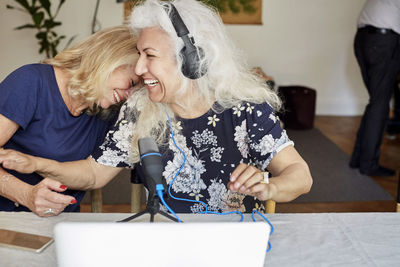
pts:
pixel 82 174
pixel 291 178
pixel 37 198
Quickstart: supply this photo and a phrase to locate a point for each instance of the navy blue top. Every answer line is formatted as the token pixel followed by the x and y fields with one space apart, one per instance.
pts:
pixel 214 145
pixel 30 97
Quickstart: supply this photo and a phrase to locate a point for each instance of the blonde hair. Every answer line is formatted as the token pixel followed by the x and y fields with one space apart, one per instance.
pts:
pixel 228 81
pixel 90 63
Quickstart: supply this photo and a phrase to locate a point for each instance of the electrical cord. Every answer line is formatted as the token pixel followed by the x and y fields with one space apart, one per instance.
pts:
pixel 270 224
pixel 160 193
pixel 201 202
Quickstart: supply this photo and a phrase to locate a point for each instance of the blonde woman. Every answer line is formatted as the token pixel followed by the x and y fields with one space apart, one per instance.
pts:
pixel 213 120
pixel 57 110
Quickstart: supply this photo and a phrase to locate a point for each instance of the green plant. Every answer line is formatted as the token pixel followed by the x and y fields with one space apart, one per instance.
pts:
pixel 44 21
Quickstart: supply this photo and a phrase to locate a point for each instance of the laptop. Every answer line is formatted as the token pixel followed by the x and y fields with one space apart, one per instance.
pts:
pixel 161 244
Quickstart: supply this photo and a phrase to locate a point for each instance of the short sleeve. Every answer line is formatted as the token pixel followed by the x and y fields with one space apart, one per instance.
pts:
pixel 116 148
pixel 19 95
pixel 265 133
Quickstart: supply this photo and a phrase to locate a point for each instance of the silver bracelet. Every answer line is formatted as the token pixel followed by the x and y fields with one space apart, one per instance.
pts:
pixel 3 180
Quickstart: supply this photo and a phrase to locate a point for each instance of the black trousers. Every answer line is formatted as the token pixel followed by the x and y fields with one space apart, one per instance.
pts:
pixel 379 58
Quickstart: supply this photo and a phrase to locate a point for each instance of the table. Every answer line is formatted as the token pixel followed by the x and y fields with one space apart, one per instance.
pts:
pixel 307 239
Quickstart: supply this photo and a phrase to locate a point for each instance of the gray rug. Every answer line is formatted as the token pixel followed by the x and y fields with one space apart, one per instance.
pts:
pixel 334 180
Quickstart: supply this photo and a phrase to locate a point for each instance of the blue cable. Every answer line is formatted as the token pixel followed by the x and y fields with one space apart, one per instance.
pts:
pixel 150 154
pixel 201 202
pixel 224 213
pixel 160 192
pixel 270 224
pixel 160 187
pixel 176 175
pixel 191 200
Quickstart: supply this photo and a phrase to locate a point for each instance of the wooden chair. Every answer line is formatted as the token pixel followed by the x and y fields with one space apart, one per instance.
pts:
pixel 270 206
pixel 96 198
pixel 137 200
pixel 136 196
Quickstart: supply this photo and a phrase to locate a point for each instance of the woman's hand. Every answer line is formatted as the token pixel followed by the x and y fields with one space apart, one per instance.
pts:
pixel 45 200
pixel 17 161
pixel 249 180
pixel 291 178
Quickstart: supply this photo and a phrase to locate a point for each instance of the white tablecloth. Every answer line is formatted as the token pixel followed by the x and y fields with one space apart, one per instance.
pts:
pixel 322 239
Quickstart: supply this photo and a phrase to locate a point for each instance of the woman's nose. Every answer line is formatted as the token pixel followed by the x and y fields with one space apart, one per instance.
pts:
pixel 140 67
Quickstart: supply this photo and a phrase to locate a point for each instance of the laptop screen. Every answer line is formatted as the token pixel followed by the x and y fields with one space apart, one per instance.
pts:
pixel 161 244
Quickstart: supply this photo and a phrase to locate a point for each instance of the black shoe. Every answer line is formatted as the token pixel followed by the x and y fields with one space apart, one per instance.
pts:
pixel 354 165
pixel 380 171
pixel 393 127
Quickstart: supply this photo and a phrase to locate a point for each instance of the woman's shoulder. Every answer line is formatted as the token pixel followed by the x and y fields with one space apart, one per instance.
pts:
pixel 252 114
pixel 31 72
pixel 36 67
pixel 250 109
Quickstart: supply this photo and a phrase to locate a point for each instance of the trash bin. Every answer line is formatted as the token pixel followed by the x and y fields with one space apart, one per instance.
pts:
pixel 298 110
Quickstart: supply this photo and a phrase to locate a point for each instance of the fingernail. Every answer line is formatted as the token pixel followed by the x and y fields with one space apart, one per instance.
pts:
pixel 236 185
pixel 73 201
pixel 63 186
pixel 233 178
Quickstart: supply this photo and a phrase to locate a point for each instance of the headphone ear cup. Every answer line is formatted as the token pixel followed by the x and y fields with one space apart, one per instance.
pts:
pixel 191 62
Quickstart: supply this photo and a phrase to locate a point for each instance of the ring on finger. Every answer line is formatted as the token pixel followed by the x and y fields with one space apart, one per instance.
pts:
pixel 50 211
pixel 265 179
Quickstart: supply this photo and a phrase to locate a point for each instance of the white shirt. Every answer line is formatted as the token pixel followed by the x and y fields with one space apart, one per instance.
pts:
pixel 381 14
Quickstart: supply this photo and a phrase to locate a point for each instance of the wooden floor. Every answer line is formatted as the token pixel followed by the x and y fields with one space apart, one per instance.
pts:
pixel 342 131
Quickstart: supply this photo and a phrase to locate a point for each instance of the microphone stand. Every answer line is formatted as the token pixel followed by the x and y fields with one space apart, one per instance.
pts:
pixel 150 168
pixel 152 207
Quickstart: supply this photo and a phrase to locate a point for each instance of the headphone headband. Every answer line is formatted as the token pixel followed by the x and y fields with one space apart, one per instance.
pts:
pixel 191 55
pixel 177 22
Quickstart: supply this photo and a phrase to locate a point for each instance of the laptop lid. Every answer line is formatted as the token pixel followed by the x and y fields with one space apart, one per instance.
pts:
pixel 161 244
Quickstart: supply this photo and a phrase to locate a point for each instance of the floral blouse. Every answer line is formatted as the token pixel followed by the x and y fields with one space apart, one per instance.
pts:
pixel 214 145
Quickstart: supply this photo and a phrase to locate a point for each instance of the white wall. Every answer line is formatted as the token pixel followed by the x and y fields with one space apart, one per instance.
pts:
pixel 307 42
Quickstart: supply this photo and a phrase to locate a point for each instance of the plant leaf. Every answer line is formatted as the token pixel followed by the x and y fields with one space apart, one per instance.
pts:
pixel 38 18
pixel 24 3
pixel 46 5
pixel 49 23
pixel 25 27
pixel 41 35
pixel 59 5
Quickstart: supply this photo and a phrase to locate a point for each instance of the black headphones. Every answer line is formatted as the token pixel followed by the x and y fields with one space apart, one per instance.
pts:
pixel 191 55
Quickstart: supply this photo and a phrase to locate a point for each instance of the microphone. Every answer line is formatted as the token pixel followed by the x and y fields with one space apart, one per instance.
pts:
pixel 150 159
pixel 151 166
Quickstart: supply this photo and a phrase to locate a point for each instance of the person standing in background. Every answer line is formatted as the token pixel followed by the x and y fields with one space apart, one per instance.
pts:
pixel 377 49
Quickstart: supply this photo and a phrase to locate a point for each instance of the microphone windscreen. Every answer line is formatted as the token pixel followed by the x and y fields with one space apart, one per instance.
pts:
pixel 147 145
pixel 151 160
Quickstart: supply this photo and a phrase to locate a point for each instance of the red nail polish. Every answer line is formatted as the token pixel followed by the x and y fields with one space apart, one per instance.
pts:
pixel 73 201
pixel 63 186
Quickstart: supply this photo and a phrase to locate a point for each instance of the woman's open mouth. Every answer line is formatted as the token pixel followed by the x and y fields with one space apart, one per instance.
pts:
pixel 117 97
pixel 150 83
